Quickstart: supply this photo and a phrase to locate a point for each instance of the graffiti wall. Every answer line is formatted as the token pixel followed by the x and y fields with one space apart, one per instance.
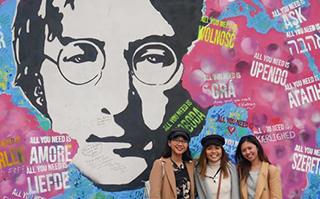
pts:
pixel 89 90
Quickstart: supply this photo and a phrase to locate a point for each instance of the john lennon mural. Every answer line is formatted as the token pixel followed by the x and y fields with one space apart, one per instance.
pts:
pixel 90 89
pixel 108 74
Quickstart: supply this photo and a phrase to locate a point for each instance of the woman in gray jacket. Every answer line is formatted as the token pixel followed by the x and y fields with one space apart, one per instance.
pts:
pixel 215 175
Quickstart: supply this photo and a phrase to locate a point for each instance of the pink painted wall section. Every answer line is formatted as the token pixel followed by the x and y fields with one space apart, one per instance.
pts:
pixel 232 62
pixel 2 1
pixel 33 162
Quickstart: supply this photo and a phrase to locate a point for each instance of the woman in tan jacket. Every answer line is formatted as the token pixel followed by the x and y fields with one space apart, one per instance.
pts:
pixel 259 179
pixel 171 176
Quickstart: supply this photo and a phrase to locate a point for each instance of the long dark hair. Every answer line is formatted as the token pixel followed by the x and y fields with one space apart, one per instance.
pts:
pixel 203 162
pixel 242 163
pixel 167 151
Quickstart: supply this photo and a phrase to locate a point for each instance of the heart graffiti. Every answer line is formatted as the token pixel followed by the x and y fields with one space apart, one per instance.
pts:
pixel 231 129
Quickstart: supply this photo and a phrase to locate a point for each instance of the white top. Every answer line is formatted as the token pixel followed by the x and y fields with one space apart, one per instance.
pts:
pixel 225 187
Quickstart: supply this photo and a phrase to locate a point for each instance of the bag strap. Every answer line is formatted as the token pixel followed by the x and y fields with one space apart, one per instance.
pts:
pixel 162 163
pixel 218 193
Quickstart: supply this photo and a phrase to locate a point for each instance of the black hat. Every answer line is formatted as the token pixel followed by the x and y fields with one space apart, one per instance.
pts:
pixel 179 132
pixel 213 139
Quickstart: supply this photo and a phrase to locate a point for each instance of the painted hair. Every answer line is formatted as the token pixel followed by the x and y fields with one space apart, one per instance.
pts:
pixel 167 151
pixel 203 162
pixel 242 163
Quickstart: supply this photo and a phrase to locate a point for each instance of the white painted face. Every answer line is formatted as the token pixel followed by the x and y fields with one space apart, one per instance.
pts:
pixel 86 79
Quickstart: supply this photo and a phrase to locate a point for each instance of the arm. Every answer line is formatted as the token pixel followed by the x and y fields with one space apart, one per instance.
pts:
pixel 156 180
pixel 275 183
pixel 235 183
pixel 198 186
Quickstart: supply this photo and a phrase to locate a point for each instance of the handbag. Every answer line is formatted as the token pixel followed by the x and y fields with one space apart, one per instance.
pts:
pixel 147 184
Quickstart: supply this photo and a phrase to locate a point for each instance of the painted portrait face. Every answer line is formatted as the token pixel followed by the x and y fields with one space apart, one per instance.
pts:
pixel 88 80
pixel 109 75
pixel 213 153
